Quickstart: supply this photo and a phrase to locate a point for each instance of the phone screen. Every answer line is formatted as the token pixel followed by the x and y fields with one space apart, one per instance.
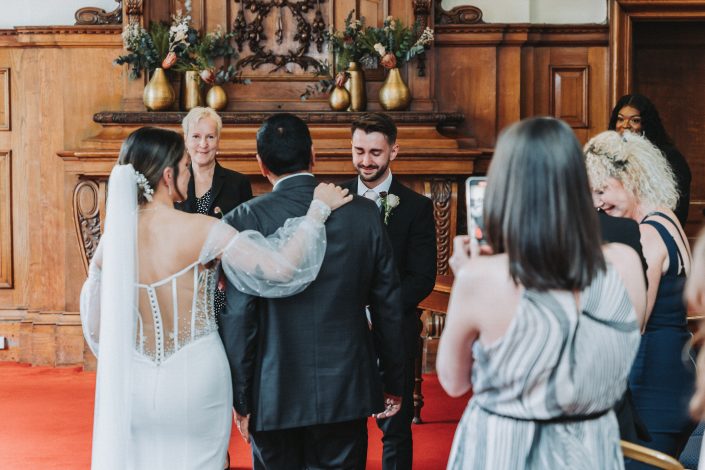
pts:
pixel 474 199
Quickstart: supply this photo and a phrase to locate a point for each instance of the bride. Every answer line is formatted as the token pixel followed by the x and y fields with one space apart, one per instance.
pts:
pixel 163 389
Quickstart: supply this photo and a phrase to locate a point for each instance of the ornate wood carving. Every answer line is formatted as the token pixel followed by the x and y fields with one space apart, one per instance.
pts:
pixel 6 266
pixel 133 8
pixel 253 32
pixel 465 14
pixel 88 202
pixel 443 193
pixel 422 10
pixel 568 98
pixel 4 99
pixel 95 15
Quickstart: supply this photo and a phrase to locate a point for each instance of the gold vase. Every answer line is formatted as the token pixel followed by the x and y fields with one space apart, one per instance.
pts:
pixel 158 94
pixel 339 99
pixel 394 94
pixel 358 95
pixel 216 98
pixel 191 95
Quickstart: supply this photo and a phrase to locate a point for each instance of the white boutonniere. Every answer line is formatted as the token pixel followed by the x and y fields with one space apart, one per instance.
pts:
pixel 389 202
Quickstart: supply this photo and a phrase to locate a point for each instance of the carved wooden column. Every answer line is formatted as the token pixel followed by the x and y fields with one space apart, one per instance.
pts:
pixel 444 194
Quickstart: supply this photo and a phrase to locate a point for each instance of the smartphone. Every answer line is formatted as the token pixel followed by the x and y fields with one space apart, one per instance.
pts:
pixel 474 201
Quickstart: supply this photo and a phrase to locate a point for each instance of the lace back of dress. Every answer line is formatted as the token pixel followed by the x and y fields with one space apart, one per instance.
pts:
pixel 175 311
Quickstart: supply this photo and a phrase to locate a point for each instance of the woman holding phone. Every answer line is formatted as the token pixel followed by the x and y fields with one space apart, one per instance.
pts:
pixel 546 327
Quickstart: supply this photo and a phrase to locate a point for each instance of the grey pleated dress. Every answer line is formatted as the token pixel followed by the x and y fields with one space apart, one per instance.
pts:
pixel 543 392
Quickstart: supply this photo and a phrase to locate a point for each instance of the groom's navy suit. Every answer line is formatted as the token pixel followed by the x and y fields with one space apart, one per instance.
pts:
pixel 412 231
pixel 309 361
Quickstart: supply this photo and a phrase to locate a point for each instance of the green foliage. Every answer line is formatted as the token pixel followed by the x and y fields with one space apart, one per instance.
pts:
pixel 324 85
pixel 146 48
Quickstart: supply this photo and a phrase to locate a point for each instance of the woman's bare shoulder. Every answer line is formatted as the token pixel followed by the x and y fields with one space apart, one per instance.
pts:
pixel 486 275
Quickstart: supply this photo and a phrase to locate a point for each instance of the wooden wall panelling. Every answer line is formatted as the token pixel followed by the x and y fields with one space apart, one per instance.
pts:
pixel 510 65
pixel 61 76
pixel 569 94
pixel 6 266
pixel 4 99
pixel 509 87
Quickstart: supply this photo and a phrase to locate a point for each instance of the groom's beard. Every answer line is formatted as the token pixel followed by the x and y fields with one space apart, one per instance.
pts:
pixel 374 176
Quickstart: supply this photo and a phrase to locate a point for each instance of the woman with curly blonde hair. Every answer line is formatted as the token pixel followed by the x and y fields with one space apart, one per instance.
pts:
pixel 630 178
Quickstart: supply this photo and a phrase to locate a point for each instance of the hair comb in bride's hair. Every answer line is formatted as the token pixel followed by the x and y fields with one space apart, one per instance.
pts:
pixel 143 184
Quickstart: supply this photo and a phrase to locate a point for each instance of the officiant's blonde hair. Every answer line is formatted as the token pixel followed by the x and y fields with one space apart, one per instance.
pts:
pixel 198 113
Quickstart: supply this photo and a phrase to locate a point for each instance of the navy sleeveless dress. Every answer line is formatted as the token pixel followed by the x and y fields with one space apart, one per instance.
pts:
pixel 662 379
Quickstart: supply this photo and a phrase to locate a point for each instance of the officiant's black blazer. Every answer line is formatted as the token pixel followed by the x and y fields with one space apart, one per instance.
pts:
pixel 229 190
pixel 310 359
pixel 412 231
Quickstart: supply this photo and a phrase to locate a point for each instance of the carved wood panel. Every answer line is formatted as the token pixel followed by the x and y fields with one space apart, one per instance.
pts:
pixel 280 33
pixel 444 194
pixel 88 204
pixel 569 94
pixel 6 267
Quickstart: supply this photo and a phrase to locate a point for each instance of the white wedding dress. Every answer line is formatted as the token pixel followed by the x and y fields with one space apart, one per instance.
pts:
pixel 164 393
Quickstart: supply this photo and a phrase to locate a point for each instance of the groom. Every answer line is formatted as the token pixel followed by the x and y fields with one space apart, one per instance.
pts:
pixel 408 218
pixel 304 368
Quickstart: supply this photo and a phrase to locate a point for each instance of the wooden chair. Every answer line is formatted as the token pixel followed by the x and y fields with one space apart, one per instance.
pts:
pixel 649 456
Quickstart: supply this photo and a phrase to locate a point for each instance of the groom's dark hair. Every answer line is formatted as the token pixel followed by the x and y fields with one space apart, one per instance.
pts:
pixel 284 144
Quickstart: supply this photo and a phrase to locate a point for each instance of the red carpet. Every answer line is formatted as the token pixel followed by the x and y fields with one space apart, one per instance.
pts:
pixel 46 422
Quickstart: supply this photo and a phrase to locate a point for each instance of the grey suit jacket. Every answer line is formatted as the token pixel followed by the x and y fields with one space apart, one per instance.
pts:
pixel 310 358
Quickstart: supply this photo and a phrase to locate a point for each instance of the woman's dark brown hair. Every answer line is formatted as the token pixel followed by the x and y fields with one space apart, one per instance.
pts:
pixel 151 150
pixel 538 207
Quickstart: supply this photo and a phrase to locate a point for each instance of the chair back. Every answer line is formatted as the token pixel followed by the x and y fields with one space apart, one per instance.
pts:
pixel 649 456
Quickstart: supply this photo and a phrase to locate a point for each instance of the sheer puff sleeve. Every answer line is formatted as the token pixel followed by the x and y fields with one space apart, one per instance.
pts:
pixel 279 265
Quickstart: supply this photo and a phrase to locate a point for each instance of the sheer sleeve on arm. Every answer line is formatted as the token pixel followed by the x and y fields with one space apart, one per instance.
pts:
pixel 279 265
pixel 90 308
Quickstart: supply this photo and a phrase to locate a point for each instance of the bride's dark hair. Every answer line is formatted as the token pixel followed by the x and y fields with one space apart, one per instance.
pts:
pixel 151 150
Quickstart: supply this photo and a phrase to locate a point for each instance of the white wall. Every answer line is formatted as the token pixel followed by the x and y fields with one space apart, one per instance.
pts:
pixel 45 12
pixel 537 11
pixel 61 12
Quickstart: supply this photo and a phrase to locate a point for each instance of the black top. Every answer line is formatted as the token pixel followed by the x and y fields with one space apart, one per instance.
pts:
pixel 229 189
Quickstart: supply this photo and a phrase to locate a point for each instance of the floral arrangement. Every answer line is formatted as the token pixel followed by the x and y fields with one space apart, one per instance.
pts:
pixel 180 47
pixel 348 44
pixel 147 48
pixel 395 44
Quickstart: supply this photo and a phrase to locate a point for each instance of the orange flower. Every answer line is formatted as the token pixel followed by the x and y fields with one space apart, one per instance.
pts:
pixel 169 60
pixel 389 61
pixel 340 79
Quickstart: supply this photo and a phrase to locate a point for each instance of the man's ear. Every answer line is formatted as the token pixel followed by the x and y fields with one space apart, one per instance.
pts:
pixel 394 152
pixel 262 167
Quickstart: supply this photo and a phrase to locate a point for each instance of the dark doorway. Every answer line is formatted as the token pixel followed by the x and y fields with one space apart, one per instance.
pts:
pixel 669 68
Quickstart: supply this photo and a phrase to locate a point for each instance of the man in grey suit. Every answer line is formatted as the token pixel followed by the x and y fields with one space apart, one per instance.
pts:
pixel 305 368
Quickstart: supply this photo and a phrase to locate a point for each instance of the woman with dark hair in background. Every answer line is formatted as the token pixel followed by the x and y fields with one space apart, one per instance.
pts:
pixel 548 325
pixel 636 113
pixel 163 387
